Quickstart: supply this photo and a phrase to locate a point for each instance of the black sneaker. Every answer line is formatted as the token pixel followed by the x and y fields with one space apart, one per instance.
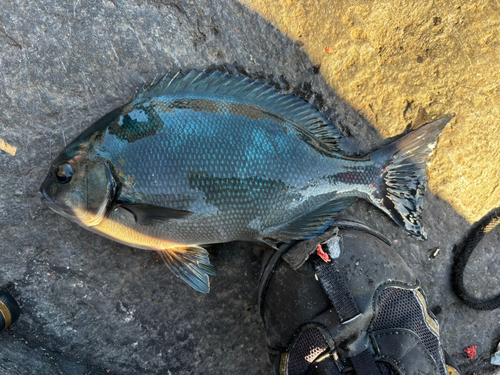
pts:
pixel 345 302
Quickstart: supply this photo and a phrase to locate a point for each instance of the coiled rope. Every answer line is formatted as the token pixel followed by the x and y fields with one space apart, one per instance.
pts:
pixel 485 225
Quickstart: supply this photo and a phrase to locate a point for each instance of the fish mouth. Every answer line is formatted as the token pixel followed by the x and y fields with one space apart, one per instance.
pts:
pixel 54 206
pixel 49 202
pixel 45 198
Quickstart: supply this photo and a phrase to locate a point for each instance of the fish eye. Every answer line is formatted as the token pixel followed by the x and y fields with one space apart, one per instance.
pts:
pixel 64 173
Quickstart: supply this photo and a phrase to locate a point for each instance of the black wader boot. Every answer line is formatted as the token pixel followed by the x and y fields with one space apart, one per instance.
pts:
pixel 345 302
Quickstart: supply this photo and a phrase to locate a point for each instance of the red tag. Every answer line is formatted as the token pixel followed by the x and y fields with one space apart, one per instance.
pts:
pixel 471 351
pixel 322 254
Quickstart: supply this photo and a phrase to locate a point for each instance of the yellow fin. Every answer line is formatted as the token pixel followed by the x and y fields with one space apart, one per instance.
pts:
pixel 191 264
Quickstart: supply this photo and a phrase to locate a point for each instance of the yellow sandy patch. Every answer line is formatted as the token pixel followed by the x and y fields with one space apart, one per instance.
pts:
pixel 387 59
pixel 9 149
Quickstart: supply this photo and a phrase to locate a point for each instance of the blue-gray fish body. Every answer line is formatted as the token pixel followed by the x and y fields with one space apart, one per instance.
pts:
pixel 201 159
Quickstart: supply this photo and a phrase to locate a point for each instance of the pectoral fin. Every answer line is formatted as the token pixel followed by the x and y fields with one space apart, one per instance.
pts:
pixel 191 264
pixel 144 213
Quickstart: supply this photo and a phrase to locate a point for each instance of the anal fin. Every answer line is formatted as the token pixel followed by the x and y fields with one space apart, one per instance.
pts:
pixel 310 224
pixel 190 264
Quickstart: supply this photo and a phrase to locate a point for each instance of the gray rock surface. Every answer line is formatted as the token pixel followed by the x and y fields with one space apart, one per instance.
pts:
pixel 92 306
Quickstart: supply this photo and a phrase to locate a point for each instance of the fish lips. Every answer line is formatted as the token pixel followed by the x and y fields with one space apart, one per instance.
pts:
pixel 46 200
pixel 51 203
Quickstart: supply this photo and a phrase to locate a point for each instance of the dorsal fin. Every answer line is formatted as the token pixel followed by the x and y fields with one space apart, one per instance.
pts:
pixel 251 92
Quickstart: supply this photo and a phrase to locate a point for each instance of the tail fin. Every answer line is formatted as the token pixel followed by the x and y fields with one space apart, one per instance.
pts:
pixel 400 194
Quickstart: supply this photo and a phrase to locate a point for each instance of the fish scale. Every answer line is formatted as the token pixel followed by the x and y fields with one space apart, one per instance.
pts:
pixel 207 158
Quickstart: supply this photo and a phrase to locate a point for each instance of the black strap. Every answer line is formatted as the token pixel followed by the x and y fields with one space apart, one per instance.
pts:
pixel 336 289
pixel 344 304
pixel 364 364
pixel 475 236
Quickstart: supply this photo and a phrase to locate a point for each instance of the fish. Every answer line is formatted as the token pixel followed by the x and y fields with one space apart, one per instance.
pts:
pixel 200 158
